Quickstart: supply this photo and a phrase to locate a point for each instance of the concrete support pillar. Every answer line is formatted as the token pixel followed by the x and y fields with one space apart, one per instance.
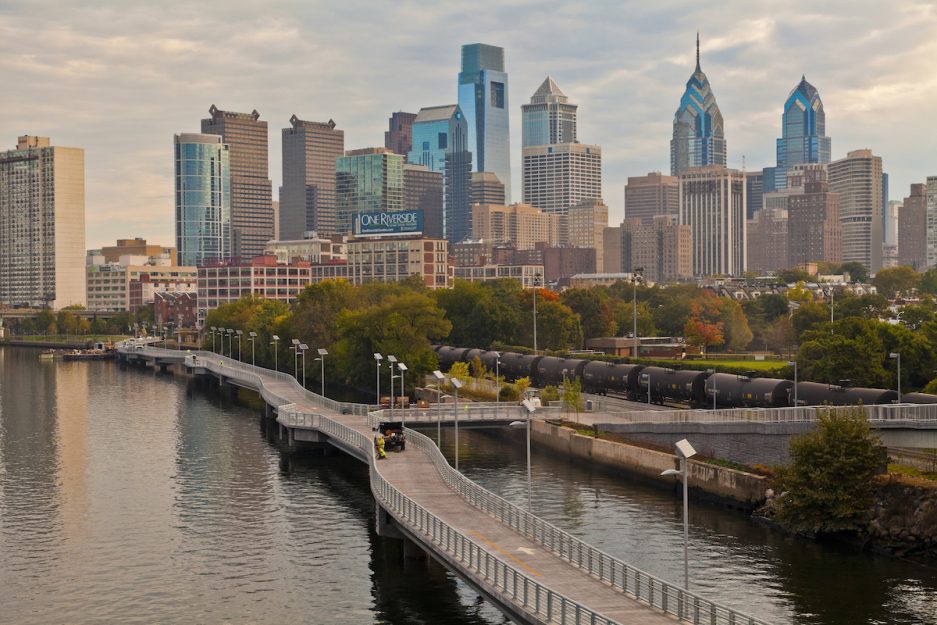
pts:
pixel 412 551
pixel 280 429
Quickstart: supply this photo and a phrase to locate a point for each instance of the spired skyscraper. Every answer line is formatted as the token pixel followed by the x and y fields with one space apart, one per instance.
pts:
pixel 803 135
pixel 483 98
pixel 698 130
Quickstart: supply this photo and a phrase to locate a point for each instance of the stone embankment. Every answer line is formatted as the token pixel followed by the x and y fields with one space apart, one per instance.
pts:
pixel 904 518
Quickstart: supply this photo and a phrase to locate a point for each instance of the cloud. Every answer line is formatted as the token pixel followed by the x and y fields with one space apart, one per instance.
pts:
pixel 120 78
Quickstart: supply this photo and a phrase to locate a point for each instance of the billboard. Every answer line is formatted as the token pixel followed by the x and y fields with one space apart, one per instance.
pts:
pixel 393 223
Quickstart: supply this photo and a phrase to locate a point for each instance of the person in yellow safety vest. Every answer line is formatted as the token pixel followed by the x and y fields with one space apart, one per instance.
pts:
pixel 379 446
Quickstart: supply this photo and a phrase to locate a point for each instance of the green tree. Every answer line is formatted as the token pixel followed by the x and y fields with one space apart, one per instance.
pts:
pixel 856 270
pixel 460 371
pixel 929 281
pixel 830 358
pixel 594 310
pixel 916 315
pixel 704 328
pixel 894 280
pixel 917 354
pixel 624 319
pixel 736 330
pixel 571 394
pixel 793 275
pixel 869 305
pixel 829 485
pixel 482 313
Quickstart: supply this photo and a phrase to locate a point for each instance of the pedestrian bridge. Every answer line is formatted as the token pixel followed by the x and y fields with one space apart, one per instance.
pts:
pixel 534 572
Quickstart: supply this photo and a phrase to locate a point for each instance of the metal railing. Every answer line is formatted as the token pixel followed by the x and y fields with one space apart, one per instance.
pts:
pixel 632 581
pixel 881 413
pixel 468 412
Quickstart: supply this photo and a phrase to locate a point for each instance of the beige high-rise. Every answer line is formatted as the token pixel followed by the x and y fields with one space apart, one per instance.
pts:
pixel 586 226
pixel 858 181
pixel 42 224
pixel 712 203
pixel 912 229
pixel 520 224
pixel 561 175
pixel 648 196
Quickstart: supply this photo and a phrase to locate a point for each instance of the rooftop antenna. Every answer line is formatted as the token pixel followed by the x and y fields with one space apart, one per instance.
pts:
pixel 697 51
pixel 743 162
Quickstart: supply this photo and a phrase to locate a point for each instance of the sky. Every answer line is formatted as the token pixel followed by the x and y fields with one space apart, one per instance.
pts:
pixel 119 78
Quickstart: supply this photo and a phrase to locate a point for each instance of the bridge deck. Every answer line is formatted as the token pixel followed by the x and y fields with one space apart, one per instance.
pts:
pixel 458 512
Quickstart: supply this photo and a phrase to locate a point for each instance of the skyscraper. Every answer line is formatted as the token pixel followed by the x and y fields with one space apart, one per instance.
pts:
pixel 423 190
pixel 803 132
pixel 712 203
pixel 754 190
pixel 307 197
pixel 857 179
pixel 561 175
pixel 698 130
pixel 549 117
pixel 203 198
pixel 399 133
pixel 42 224
pixel 586 223
pixel 367 180
pixel 485 188
pixel 648 196
pixel 930 191
pixel 814 229
pixel 912 229
pixel 483 98
pixel 251 189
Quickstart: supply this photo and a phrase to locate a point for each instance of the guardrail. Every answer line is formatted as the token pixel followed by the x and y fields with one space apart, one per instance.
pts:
pixel 879 413
pixel 633 582
pixel 469 412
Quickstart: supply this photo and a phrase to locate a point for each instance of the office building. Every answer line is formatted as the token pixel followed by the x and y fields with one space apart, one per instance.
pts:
pixel 698 130
pixel 586 223
pixel 754 189
pixel 485 188
pixel 136 247
pixel 890 247
pixel 712 203
pixel 228 281
pixel 399 135
pixel 313 250
pixel 42 224
pixel 814 228
pixel 483 98
pixel 647 197
pixel 549 117
pixel 857 179
pixel 393 259
pixel 251 190
pixel 912 229
pixel 366 181
pixel 562 175
pixel 133 280
pixel 203 198
pixel 307 197
pixel 930 192
pixel 767 234
pixel 612 252
pixel 520 224
pixel 562 263
pixel 662 249
pixel 458 211
pixel 803 132
pixel 529 276
pixel 423 190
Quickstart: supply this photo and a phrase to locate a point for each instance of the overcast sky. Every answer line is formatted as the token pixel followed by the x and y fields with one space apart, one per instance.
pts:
pixel 119 78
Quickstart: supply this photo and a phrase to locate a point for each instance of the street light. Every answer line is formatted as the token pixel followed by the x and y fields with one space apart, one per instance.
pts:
pixel 685 451
pixel 403 387
pixel 230 345
pixel 456 384
pixel 295 349
pixel 536 284
pixel 439 378
pixel 516 424
pixel 646 377
pixel 276 343
pixel 897 355
pixel 251 336
pixel 239 333
pixel 213 338
pixel 712 376
pixel 322 354
pixel 391 359
pixel 634 304
pixel 303 347
pixel 378 358
pixel 793 363
pixel 498 383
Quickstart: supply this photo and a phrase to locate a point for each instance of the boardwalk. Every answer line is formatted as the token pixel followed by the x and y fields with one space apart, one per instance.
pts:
pixel 531 570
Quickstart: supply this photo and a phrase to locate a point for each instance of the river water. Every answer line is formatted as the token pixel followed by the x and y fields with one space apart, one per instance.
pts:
pixel 128 496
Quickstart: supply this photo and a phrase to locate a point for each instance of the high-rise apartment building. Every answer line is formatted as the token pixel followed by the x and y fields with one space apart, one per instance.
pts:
pixel 203 199
pixel 423 190
pixel 561 175
pixel 42 224
pixel 890 247
pixel 485 188
pixel 366 181
pixel 586 223
pixel 712 203
pixel 754 190
pixel 399 135
pixel 662 249
pixel 457 178
pixel 814 231
pixel 857 179
pixel 803 133
pixel 698 130
pixel 251 190
pixel 912 229
pixel 549 117
pixel 483 98
pixel 767 234
pixel 520 224
pixel 931 198
pixel 307 197
pixel 647 197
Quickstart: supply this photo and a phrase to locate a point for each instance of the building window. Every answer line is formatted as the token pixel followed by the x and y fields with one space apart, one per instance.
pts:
pixel 443 141
pixel 497 95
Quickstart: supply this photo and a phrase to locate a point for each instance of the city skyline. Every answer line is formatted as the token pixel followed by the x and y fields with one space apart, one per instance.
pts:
pixel 96 73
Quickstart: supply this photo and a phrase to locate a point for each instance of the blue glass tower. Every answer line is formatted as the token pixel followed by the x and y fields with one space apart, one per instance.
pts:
pixel 203 199
pixel 483 98
pixel 698 129
pixel 803 133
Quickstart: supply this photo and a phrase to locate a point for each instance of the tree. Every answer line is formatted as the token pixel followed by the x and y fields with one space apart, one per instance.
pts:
pixel 917 353
pixel 482 313
pixel 830 358
pixel 795 274
pixel 624 319
pixel 856 270
pixel 916 315
pixel 460 371
pixel 829 485
pixel 571 394
pixel 870 305
pixel 593 309
pixel 780 334
pixel 704 327
pixel 892 281
pixel 798 293
pixel 737 334
pixel 929 281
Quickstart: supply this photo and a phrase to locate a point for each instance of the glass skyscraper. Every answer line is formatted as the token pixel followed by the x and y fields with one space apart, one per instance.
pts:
pixel 698 129
pixel 483 98
pixel 549 118
pixel 803 134
pixel 366 181
pixel 203 198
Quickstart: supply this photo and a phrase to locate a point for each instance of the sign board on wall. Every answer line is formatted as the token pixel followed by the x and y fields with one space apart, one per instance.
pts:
pixel 392 223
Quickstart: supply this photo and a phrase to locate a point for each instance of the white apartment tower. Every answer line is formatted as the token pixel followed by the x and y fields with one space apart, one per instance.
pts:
pixel 858 181
pixel 712 203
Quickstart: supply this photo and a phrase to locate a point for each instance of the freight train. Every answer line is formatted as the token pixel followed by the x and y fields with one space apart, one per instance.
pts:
pixel 687 386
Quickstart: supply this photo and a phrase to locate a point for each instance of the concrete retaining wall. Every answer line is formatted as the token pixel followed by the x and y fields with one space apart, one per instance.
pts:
pixel 736 487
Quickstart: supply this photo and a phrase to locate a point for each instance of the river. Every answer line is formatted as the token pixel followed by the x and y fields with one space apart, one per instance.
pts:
pixel 134 497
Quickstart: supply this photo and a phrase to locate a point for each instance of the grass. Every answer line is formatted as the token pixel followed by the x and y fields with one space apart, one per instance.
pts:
pixel 754 365
pixel 69 338
pixel 901 469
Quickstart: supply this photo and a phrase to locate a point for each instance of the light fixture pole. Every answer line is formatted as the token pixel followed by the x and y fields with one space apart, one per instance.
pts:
pixel 456 384
pixel 276 343
pixel 304 347
pixel 897 355
pixel 213 338
pixel 712 376
pixel 647 378
pixel 295 349
pixel 322 354
pixel 239 334
pixel 526 424
pixel 391 359
pixel 439 378
pixel 634 305
pixel 498 383
pixel 793 363
pixel 250 339
pixel 230 343
pixel 685 451
pixel 403 388
pixel 377 359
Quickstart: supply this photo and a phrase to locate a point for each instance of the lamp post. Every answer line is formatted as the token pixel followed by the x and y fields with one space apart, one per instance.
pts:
pixel 536 284
pixel 391 359
pixel 377 359
pixel 646 377
pixel 498 383
pixel 322 354
pixel 303 347
pixel 439 378
pixel 250 338
pixel 230 344
pixel 897 356
pixel 403 387
pixel 276 344
pixel 295 349
pixel 634 304
pixel 712 376
pixel 456 384
pixel 213 338
pixel 516 424
pixel 685 451
pixel 793 363
pixel 239 333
